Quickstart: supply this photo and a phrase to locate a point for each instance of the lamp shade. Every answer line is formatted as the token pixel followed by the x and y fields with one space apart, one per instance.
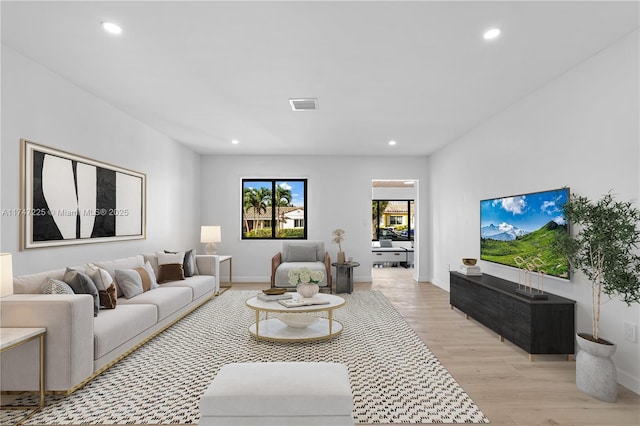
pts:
pixel 210 234
pixel 6 275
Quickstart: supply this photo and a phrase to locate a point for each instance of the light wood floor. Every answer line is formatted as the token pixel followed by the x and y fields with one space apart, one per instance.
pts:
pixel 498 376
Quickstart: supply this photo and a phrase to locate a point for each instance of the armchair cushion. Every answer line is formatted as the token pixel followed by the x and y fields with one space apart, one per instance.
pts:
pixel 302 254
pixel 299 249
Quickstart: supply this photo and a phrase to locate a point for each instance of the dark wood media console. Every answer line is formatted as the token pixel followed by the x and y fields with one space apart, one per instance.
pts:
pixel 537 326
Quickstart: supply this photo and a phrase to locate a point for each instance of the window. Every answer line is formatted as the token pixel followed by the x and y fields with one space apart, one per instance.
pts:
pixel 274 209
pixel 396 220
pixel 392 220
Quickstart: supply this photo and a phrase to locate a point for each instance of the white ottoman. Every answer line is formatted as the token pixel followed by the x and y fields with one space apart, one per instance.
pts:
pixel 278 393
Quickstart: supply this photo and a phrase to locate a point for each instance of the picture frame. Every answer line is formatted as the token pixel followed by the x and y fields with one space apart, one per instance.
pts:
pixel 69 199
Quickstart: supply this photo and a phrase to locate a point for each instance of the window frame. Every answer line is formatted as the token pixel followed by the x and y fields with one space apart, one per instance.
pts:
pixel 377 219
pixel 274 182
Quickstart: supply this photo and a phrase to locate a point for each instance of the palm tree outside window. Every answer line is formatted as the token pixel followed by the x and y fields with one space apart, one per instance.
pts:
pixel 274 209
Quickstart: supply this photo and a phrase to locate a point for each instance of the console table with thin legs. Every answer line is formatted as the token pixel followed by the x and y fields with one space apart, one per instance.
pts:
pixel 219 260
pixel 14 337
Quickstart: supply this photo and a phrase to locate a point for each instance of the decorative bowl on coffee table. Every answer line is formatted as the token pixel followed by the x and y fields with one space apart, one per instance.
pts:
pixel 297 320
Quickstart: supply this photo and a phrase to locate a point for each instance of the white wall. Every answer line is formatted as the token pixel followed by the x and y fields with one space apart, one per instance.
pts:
pixel 581 131
pixel 40 106
pixel 339 196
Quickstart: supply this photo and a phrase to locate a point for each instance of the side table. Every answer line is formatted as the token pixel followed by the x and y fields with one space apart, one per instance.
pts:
pixel 13 337
pixel 219 260
pixel 344 276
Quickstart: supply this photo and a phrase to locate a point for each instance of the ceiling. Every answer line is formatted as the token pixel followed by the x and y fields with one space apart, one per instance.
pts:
pixel 419 72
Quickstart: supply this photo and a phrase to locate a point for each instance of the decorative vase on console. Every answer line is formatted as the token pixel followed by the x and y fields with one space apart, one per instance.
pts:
pixel 306 281
pixel 338 236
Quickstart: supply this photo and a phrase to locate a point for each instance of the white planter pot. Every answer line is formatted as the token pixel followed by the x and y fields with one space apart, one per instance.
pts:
pixel 308 290
pixel 596 373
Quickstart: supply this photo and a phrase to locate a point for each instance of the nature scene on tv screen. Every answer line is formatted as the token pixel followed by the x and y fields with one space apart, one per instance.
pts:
pixel 520 230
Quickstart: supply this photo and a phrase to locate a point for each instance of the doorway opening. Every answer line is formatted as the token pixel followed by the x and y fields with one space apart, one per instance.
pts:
pixel 394 225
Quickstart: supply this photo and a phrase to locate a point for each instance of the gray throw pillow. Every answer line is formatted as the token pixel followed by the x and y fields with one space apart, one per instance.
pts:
pixel 53 286
pixel 82 283
pixel 129 282
pixel 302 254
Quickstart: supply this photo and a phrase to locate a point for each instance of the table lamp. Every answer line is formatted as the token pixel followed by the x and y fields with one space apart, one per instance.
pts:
pixel 6 275
pixel 210 235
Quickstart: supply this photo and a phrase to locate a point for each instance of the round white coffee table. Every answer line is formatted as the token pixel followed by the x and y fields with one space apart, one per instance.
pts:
pixel 274 329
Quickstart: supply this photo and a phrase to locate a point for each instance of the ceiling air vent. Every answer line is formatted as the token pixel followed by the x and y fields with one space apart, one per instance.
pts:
pixel 307 104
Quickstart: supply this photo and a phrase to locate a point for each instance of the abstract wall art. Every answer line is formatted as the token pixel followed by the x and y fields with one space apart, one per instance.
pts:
pixel 69 199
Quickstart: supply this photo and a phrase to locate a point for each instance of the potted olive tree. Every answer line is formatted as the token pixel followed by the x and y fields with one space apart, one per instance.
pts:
pixel 604 247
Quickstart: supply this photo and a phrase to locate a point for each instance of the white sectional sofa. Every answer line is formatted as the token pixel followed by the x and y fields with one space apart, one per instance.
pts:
pixel 79 346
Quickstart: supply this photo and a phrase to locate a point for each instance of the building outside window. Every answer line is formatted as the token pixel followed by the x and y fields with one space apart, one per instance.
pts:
pixel 274 209
pixel 392 220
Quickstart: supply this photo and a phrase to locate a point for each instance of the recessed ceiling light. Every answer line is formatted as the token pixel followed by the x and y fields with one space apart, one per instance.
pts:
pixel 111 28
pixel 491 33
pixel 235 142
pixel 392 143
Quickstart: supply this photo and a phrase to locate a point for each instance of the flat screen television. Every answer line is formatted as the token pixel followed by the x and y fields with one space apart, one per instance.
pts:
pixel 519 230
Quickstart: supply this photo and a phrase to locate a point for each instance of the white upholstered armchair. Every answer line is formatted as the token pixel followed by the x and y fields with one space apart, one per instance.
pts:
pixel 300 254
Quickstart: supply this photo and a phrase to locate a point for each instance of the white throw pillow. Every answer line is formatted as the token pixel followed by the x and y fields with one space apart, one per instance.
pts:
pixel 101 278
pixel 169 258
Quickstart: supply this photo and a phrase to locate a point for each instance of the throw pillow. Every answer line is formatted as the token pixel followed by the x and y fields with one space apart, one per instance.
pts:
pixel 302 254
pixel 189 264
pixel 108 298
pixel 166 258
pixel 53 286
pixel 170 272
pixel 82 283
pixel 170 266
pixel 136 281
pixel 107 292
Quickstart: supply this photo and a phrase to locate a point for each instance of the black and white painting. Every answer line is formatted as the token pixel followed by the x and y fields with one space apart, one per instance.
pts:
pixel 69 199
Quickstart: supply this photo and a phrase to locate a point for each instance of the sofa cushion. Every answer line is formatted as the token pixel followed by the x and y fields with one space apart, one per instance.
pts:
pixel 82 283
pixel 200 285
pixel 282 273
pixel 115 327
pixel 125 263
pixel 135 281
pixel 153 260
pixel 167 299
pixel 53 286
pixel 32 283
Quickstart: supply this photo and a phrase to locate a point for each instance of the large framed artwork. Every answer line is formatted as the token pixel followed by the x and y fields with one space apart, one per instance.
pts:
pixel 69 199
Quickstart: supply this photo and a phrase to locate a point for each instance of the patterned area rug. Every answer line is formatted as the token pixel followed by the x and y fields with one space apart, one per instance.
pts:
pixel 394 376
